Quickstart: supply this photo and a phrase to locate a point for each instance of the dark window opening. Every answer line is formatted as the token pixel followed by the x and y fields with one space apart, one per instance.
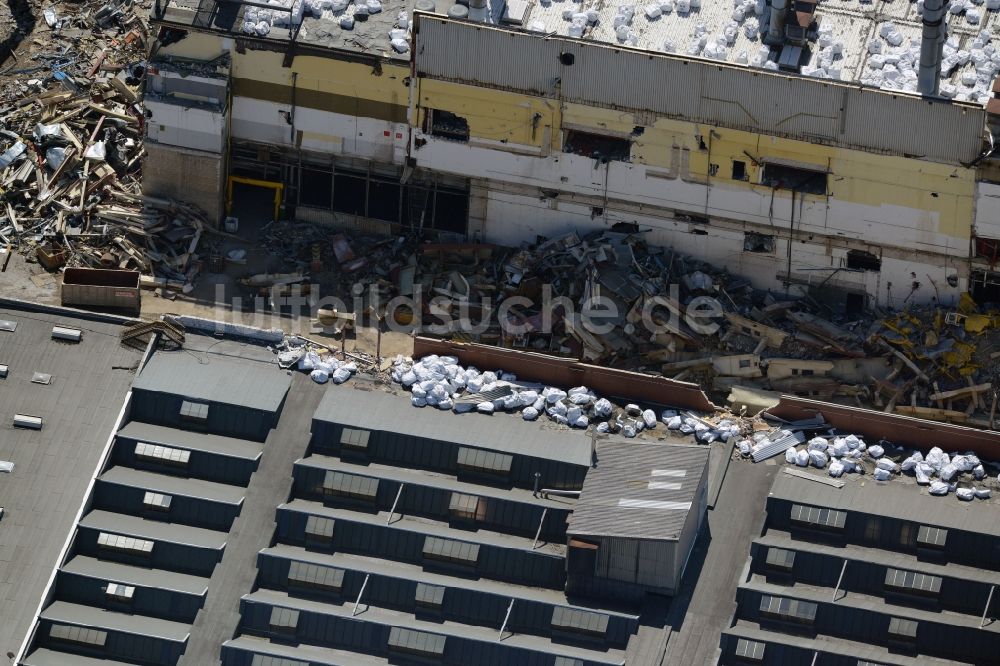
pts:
pixel 854 303
pixel 985 286
pixel 383 200
pixel 739 170
pixel 598 147
pixel 699 232
pixel 451 212
pixel 449 126
pixel 349 194
pixel 865 261
pixel 624 227
pixel 168 36
pixel 744 363
pixel 793 178
pixel 567 58
pixel 754 242
pixel 316 189
pixel 988 248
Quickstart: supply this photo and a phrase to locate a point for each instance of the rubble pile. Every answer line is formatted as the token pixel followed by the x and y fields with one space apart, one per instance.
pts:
pixel 648 303
pixel 71 148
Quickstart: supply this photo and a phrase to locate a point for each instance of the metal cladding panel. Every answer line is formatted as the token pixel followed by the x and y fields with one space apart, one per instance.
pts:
pixel 937 130
pixel 756 101
pixel 701 91
pixel 476 55
pixel 617 558
pixel 625 79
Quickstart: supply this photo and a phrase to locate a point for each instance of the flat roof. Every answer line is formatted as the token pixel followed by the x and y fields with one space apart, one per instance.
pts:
pixel 212 378
pixel 358 405
pixel 426 527
pixel 303 651
pixel 838 646
pixel 413 572
pixel 155 530
pixel 775 538
pixel 642 491
pixel 109 570
pixel 193 441
pixel 52 466
pixel 129 623
pixel 899 498
pixel 693 34
pixel 46 657
pixel 174 485
pixel 389 617
pixel 436 480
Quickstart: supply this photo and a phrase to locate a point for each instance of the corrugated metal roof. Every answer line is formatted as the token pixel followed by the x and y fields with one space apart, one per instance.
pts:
pixel 89 616
pixel 154 530
pixel 215 380
pixel 193 441
pixel 703 91
pixel 384 412
pixel 895 499
pixel 138 576
pixel 526 56
pixel 174 485
pixel 639 490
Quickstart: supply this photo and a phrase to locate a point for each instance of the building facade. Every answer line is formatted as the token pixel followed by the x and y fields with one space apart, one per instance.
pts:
pixel 498 134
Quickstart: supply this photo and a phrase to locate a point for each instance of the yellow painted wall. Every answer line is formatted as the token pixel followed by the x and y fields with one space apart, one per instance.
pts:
pixel 355 79
pixel 325 75
pixel 945 192
pixel 197 46
pixel 493 114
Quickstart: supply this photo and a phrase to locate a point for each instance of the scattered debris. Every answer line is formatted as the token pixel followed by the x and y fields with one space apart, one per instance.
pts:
pixel 71 152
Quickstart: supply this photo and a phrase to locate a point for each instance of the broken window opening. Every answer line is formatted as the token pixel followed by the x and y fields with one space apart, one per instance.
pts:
pixel 598 147
pixel 316 188
pixel 865 261
pixel 447 125
pixel 739 170
pixel 988 248
pixel 785 177
pixel 754 242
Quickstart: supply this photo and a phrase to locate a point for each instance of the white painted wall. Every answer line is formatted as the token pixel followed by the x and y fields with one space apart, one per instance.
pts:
pixel 513 218
pixel 185 126
pixel 322 131
pixel 883 225
pixel 987 210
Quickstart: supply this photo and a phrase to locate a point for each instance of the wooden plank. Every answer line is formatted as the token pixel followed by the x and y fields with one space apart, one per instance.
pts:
pixel 825 480
pixel 932 413
pixel 961 392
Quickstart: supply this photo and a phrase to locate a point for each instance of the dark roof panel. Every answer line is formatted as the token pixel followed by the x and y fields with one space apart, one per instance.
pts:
pixel 212 379
pixel 380 411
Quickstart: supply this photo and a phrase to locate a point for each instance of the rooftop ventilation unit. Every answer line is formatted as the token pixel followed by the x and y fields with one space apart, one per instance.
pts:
pixel 25 421
pixel 67 334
